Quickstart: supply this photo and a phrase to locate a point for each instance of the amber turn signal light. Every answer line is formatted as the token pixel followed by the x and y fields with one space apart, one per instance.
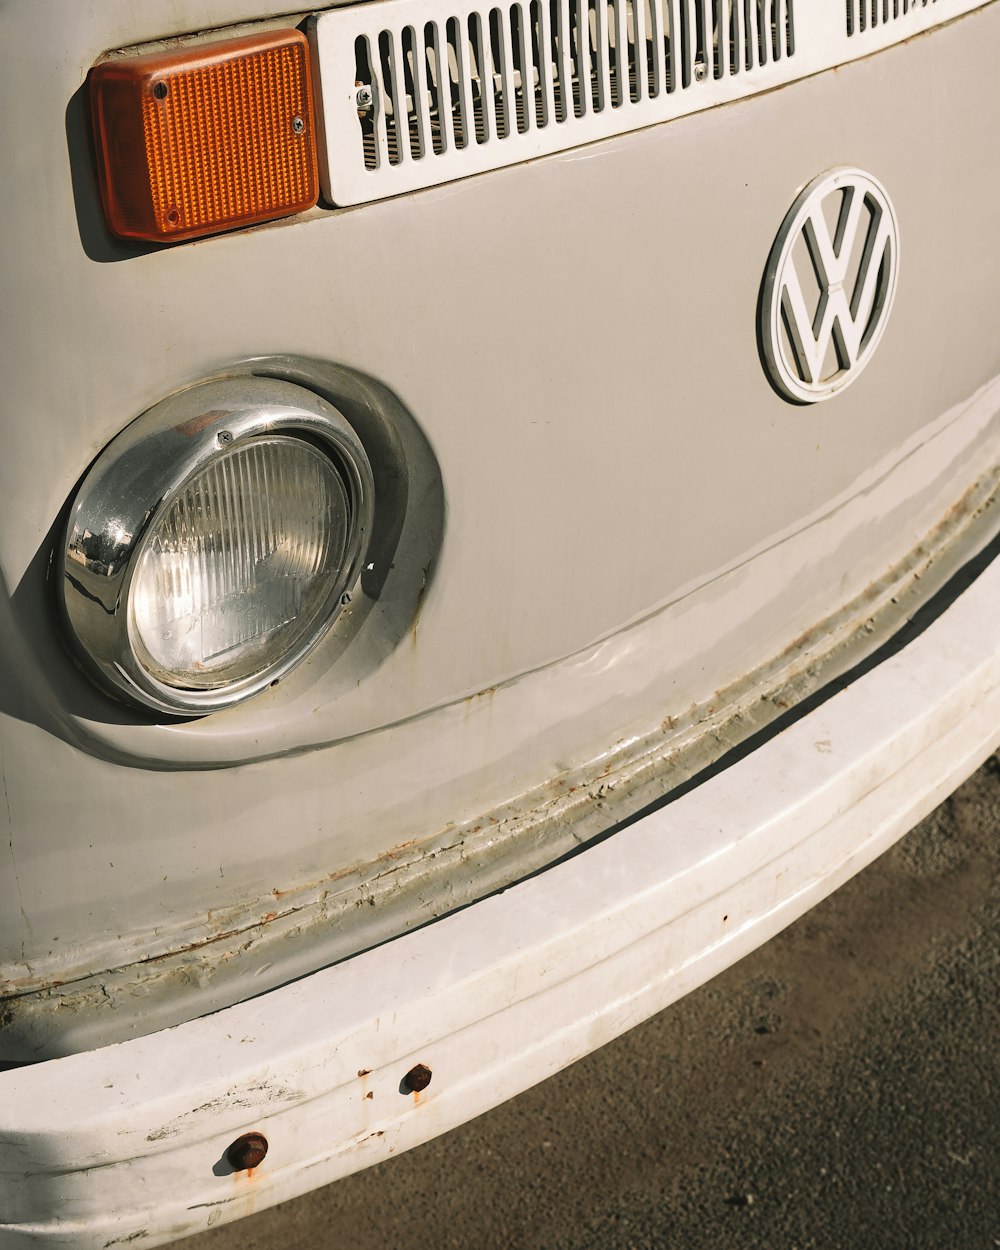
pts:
pixel 205 139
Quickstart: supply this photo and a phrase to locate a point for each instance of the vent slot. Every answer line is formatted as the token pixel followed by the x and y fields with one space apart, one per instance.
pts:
pixel 864 15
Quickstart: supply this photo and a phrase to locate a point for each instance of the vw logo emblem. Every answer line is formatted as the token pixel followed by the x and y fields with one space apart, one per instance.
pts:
pixel 828 286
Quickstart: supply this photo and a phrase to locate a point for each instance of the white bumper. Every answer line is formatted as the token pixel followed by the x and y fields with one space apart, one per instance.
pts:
pixel 126 1144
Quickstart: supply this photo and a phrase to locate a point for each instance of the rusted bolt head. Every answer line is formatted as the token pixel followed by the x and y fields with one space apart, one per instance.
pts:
pixel 417 1079
pixel 247 1151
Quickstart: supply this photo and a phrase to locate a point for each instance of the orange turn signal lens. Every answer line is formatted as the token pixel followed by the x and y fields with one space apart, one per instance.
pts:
pixel 206 139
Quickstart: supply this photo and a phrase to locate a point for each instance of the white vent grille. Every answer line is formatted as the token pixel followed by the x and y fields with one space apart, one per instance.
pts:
pixel 864 15
pixel 420 92
pixel 448 90
pixel 486 75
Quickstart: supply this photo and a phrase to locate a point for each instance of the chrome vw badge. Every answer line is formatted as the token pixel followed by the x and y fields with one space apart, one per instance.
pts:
pixel 828 285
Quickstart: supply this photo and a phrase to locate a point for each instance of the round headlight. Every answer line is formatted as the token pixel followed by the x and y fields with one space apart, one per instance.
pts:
pixel 237 568
pixel 213 541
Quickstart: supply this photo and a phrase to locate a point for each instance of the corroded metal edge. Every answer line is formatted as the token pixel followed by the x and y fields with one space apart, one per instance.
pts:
pixel 317 924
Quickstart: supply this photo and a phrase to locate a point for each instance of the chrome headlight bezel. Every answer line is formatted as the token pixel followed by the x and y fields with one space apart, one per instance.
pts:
pixel 134 481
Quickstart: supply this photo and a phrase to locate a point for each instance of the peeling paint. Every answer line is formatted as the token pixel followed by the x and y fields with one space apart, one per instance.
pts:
pixel 358 906
pixel 249 1097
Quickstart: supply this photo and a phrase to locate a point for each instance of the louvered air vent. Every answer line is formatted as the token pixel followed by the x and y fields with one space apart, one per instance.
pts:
pixel 865 15
pixel 420 92
pixel 490 74
pixel 442 93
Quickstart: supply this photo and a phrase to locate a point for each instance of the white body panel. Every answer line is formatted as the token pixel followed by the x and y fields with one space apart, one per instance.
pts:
pixel 621 553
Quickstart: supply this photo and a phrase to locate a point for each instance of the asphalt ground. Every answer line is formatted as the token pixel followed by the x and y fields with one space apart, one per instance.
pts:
pixel 839 1088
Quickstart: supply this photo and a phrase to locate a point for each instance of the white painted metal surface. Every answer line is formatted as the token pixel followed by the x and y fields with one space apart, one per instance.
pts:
pixel 561 73
pixel 127 1143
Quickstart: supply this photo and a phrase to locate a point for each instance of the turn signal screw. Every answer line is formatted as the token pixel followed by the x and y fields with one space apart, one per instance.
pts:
pixel 247 1151
pixel 417 1079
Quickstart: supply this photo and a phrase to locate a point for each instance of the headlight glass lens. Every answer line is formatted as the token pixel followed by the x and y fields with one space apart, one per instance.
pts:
pixel 236 571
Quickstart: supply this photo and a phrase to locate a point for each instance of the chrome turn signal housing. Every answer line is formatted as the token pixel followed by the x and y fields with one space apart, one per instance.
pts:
pixel 213 543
